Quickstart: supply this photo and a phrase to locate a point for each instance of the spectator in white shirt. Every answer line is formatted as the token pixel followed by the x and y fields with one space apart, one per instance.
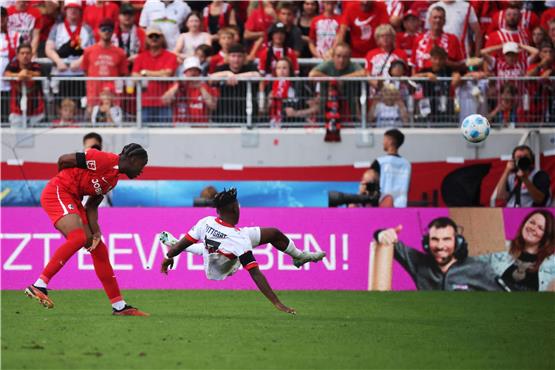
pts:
pixel 169 15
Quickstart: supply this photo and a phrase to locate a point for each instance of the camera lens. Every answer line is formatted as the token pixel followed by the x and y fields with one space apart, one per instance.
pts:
pixel 523 163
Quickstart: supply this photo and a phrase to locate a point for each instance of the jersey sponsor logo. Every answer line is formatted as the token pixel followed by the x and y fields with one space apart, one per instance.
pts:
pixel 360 23
pixel 91 165
pixel 96 186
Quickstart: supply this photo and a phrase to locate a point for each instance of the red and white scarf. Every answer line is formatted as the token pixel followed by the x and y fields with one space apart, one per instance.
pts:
pixel 74 36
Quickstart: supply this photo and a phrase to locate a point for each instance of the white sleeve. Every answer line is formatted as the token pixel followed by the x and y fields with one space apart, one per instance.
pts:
pixel 197 231
pixel 253 233
pixel 94 114
pixel 117 115
pixel 144 19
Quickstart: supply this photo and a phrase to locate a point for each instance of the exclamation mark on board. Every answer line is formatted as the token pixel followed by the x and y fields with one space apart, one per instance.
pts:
pixel 345 249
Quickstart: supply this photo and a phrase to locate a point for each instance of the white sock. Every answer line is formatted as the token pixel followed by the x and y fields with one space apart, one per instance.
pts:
pixel 292 250
pixel 119 305
pixel 40 283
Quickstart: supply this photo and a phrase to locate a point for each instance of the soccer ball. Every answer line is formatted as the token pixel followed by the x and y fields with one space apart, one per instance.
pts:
pixel 475 128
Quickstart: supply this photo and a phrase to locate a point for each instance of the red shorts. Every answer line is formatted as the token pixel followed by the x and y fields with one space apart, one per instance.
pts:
pixel 57 203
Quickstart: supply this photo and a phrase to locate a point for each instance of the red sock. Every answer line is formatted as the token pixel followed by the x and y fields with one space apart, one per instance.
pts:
pixel 105 273
pixel 75 240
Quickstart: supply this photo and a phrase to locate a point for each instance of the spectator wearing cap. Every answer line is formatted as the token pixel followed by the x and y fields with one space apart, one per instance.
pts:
pixel 461 21
pixel 194 37
pixel 232 102
pixel 127 35
pixel 361 20
pixel 424 43
pixel 405 39
pixel 192 100
pixel 95 13
pixel 27 21
pixel 168 15
pixel 155 61
pixel 66 43
pixel 323 29
pixel 103 59
pixel 24 69
pixel 8 46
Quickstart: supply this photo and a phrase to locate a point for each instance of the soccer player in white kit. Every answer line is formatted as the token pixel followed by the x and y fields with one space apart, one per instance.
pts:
pixel 225 247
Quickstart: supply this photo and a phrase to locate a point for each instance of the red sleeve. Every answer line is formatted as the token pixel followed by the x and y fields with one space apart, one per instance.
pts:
pixel 414 47
pixel 291 55
pixel 250 25
pixel 534 22
pixel 190 238
pixel 172 61
pixel 100 161
pixel 546 16
pixel 494 25
pixel 457 53
pixel 368 60
pixel 346 18
pixel 141 35
pixel 38 17
pixel 262 56
pixel 381 10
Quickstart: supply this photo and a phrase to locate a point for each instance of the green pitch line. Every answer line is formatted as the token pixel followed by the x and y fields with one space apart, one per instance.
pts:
pixel 240 330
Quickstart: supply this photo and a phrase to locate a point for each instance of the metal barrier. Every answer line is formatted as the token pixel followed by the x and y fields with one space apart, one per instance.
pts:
pixel 276 102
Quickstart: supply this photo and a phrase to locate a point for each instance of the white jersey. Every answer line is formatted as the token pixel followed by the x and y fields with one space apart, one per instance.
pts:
pixel 225 246
pixel 168 17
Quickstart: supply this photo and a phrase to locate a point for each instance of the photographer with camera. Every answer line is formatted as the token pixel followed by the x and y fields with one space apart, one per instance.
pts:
pixel 370 187
pixel 522 185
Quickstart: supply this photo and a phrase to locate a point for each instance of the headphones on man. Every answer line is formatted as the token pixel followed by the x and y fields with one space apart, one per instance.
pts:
pixel 461 246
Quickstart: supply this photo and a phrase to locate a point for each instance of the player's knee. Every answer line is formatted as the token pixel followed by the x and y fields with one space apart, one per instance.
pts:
pixel 79 237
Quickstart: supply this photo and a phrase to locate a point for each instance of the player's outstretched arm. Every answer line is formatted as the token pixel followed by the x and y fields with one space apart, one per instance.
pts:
pixel 175 250
pixel 264 287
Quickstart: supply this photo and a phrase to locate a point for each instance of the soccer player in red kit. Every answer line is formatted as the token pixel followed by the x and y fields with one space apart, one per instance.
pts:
pixel 92 173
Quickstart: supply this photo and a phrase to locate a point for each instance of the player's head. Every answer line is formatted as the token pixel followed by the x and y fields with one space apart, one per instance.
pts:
pixel 132 159
pixel 393 139
pixel 92 140
pixel 442 240
pixel 227 205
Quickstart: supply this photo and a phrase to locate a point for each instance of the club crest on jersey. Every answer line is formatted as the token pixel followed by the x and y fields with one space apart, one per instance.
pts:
pixel 91 165
pixel 70 206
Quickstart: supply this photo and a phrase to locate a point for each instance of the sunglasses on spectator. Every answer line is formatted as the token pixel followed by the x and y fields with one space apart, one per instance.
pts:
pixel 154 36
pixel 106 29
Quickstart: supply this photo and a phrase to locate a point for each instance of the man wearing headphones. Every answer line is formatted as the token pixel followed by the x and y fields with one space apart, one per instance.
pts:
pixel 445 264
pixel 522 185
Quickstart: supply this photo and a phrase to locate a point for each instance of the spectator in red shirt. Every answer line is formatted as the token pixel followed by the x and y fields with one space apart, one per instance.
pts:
pixel 103 60
pixel 436 37
pixel 542 93
pixel 527 21
pixel 379 60
pixel 259 21
pixel 362 20
pixel 94 14
pixel 539 35
pixel 405 39
pixel 24 70
pixel 546 16
pixel 276 50
pixel 155 61
pixel 323 30
pixel 27 21
pixel 510 31
pixel 194 100
pixel 50 11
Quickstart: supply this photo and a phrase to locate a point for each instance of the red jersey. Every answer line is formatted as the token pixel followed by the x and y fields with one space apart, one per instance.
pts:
pixel 100 61
pixel 216 61
pixel 35 97
pixel 101 175
pixel 278 53
pixel 501 37
pixel 323 30
pixel 528 21
pixel 424 44
pixel 155 89
pixel 378 60
pixel 258 20
pixel 395 8
pixel 190 105
pixel 24 22
pixel 362 26
pixel 405 42
pixel 547 15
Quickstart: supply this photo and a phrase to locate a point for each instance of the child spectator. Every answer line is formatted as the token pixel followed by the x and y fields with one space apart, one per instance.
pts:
pixel 323 30
pixel 68 109
pixel 294 35
pixel 276 50
pixel 217 15
pixel 188 41
pixel 203 53
pixel 437 94
pixel 389 110
pixel 106 113
pixel 225 39
pixel 505 114
pixel 194 100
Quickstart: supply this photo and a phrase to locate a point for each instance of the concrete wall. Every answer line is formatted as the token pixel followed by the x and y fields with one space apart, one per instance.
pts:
pixel 187 147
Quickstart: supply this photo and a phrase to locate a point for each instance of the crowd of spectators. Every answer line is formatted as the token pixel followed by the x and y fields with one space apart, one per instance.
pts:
pixel 423 39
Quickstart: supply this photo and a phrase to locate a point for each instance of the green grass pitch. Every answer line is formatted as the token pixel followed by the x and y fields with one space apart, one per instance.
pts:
pixel 240 330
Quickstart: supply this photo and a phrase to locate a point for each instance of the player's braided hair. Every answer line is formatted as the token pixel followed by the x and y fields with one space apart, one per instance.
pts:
pixel 225 197
pixel 134 150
